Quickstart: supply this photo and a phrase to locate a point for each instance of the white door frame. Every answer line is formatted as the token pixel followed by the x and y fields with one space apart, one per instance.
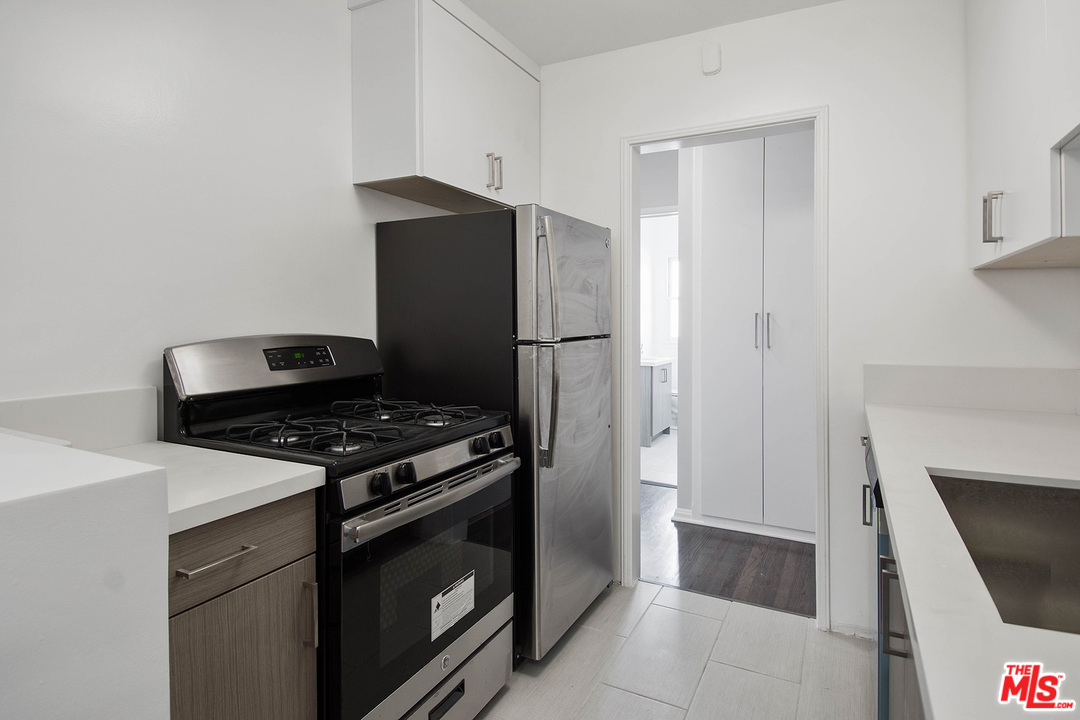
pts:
pixel 627 352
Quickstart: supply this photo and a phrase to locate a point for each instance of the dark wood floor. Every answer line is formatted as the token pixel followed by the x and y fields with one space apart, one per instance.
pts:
pixel 738 566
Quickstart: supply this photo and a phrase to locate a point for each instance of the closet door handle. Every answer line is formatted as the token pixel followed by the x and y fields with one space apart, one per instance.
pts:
pixel 768 330
pixel 757 320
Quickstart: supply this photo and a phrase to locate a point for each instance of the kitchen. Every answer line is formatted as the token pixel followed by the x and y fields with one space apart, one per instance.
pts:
pixel 178 173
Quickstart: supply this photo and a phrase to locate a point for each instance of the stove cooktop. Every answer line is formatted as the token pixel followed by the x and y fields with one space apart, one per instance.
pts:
pixel 314 399
pixel 352 435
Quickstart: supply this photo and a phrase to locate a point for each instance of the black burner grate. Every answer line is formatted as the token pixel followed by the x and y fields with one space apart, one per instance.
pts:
pixel 406 412
pixel 331 436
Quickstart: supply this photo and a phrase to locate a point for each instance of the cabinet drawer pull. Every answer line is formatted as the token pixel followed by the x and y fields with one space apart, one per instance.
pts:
pixel 188 574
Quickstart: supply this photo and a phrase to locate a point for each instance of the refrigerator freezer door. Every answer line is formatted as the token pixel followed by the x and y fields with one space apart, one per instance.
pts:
pixel 572 499
pixel 574 301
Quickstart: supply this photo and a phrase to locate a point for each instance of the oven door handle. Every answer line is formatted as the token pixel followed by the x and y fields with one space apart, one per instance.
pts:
pixel 356 532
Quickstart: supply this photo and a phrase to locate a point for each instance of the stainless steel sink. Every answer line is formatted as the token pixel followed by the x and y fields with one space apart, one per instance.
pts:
pixel 1025 541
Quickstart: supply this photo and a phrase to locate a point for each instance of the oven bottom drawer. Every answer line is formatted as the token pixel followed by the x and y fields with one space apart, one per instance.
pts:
pixel 465 693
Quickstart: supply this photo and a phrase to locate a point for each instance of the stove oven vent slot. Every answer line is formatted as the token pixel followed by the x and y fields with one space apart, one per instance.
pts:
pixel 391 509
pixel 421 497
pixel 467 477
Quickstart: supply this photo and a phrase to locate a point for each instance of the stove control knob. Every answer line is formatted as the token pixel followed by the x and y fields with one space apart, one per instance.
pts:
pixel 381 485
pixel 496 440
pixel 481 446
pixel 405 473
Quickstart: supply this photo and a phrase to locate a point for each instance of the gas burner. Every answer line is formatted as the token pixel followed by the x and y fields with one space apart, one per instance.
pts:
pixel 434 416
pixel 406 412
pixel 379 410
pixel 330 436
pixel 441 417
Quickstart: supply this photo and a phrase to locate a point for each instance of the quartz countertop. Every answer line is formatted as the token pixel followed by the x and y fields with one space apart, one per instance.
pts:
pixel 959 641
pixel 83 547
pixel 207 485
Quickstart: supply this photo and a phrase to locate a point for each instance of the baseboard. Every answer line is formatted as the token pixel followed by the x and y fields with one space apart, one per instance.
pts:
pixel 856 630
pixel 683 515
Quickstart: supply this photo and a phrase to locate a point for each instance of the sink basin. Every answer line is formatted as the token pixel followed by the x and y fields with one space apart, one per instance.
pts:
pixel 1025 541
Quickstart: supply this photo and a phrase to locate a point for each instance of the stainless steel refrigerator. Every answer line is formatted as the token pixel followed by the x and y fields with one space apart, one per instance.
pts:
pixel 510 310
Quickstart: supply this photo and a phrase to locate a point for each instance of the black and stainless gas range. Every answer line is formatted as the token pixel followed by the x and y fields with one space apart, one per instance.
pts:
pixel 416 524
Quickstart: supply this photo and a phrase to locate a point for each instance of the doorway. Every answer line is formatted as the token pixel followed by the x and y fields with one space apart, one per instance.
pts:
pixel 736 517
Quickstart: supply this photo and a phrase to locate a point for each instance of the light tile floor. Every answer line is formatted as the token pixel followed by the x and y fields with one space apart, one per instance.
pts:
pixel 660 462
pixel 665 654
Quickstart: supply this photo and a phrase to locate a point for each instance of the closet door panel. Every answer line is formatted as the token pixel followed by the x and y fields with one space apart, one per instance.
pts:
pixel 789 363
pixel 731 257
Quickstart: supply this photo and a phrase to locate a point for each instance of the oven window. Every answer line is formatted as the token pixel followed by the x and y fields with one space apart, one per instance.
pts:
pixel 409 593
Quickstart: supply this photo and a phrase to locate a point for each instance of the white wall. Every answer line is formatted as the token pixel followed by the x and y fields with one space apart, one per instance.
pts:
pixel 892 75
pixel 170 172
pixel 659 243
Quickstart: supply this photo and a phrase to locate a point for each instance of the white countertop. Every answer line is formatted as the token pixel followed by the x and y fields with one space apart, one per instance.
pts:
pixel 207 485
pixel 83 549
pixel 960 643
pixel 654 361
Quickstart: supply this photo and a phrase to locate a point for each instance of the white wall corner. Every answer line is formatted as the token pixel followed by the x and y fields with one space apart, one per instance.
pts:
pixel 1077 393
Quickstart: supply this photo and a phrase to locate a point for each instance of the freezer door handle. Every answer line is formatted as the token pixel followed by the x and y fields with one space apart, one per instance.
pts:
pixel 547 453
pixel 545 231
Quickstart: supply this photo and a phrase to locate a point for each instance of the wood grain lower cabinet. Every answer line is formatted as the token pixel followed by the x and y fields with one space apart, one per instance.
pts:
pixel 248 651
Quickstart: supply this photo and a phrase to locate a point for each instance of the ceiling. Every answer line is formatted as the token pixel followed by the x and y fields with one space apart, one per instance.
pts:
pixel 551 31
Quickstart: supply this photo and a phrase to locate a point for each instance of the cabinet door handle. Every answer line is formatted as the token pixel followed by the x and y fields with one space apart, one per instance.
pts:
pixel 757 321
pixel 867 504
pixel 883 600
pixel 314 588
pixel 768 330
pixel 991 209
pixel 499 175
pixel 188 574
pixel 491 170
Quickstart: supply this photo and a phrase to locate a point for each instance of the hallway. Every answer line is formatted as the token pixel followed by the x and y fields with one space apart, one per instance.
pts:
pixel 755 569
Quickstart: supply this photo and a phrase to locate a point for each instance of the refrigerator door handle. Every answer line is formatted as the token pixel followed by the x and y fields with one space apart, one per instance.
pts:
pixel 547 454
pixel 545 231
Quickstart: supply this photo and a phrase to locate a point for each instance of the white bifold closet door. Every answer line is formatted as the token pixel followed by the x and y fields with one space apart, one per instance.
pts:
pixel 758 425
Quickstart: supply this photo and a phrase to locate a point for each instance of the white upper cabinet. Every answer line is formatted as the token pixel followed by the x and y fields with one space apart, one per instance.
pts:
pixel 1023 100
pixel 1063 54
pixel 444 112
pixel 1009 140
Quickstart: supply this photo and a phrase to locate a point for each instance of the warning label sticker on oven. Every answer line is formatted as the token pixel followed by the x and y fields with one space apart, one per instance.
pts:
pixel 452 604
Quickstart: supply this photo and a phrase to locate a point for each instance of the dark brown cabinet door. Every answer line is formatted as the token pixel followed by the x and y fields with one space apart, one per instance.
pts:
pixel 248 653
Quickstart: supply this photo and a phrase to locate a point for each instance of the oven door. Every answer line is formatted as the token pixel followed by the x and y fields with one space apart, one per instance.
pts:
pixel 425 581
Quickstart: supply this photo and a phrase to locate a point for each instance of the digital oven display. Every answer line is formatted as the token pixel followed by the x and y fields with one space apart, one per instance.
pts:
pixel 297 358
